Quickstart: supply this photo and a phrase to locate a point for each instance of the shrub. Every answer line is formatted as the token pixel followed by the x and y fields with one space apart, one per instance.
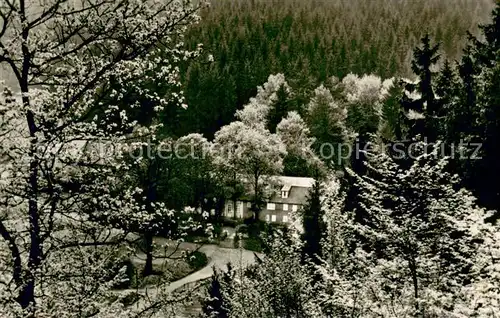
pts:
pixel 252 244
pixel 114 268
pixel 130 299
pixel 217 231
pixel 131 274
pixel 223 236
pixel 255 228
pixel 197 260
pixel 236 241
pixel 231 222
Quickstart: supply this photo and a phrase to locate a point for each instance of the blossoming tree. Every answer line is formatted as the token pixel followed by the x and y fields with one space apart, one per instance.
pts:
pixel 73 62
pixel 251 152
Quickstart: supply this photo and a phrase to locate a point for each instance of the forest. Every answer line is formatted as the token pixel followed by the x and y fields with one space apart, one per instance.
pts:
pixel 127 129
pixel 309 42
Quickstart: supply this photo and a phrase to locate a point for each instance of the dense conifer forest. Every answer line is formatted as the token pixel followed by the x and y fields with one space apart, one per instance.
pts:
pixel 310 41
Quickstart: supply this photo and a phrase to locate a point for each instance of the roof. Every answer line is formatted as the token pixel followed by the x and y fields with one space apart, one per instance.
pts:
pixel 295 181
pixel 297 195
pixel 298 188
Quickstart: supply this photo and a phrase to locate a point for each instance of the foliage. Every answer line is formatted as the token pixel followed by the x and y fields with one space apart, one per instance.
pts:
pixel 300 160
pixel 364 96
pixel 252 243
pixel 267 108
pixel 64 137
pixel 213 306
pixel 309 42
pixel 419 100
pixel 236 241
pixel 417 239
pixel 459 105
pixel 326 120
pixel 278 287
pixel 197 260
pixel 251 152
pixel 314 227
pixel 478 106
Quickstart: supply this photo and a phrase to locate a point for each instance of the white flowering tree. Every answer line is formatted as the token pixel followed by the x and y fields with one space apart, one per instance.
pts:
pixel 251 152
pixel 278 286
pixel 301 159
pixel 158 177
pixel 258 110
pixel 74 61
pixel 364 96
pixel 326 118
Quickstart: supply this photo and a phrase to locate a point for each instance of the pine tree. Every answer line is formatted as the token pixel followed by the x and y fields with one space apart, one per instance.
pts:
pixel 279 108
pixel 314 226
pixel 486 52
pixel 417 234
pixel 487 168
pixel 423 108
pixel 326 118
pixel 474 118
pixel 446 95
pixel 214 305
pixel 392 116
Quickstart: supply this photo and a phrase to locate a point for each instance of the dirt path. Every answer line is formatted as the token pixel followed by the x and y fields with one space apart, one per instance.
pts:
pixel 219 258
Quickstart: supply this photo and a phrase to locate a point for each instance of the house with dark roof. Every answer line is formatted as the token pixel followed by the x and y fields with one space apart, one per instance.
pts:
pixel 288 195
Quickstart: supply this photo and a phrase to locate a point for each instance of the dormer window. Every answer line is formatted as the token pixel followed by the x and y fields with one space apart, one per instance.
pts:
pixel 285 191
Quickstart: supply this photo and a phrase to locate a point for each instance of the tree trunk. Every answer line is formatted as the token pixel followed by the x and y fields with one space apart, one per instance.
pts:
pixel 413 270
pixel 148 235
pixel 148 267
pixel 236 194
pixel 256 197
pixel 234 208
pixel 27 294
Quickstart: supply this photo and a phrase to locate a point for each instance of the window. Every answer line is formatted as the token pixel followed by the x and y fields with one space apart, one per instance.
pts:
pixel 294 207
pixel 239 209
pixel 267 217
pixel 273 218
pixel 271 206
pixel 285 191
pixel 285 218
pixel 229 209
pixel 285 207
pixel 249 205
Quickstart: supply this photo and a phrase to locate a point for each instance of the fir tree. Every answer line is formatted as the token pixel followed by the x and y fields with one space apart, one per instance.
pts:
pixel 415 229
pixel 326 118
pixel 214 305
pixel 422 109
pixel 279 109
pixel 392 117
pixel 486 52
pixel 446 93
pixel 486 165
pixel 475 118
pixel 313 225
